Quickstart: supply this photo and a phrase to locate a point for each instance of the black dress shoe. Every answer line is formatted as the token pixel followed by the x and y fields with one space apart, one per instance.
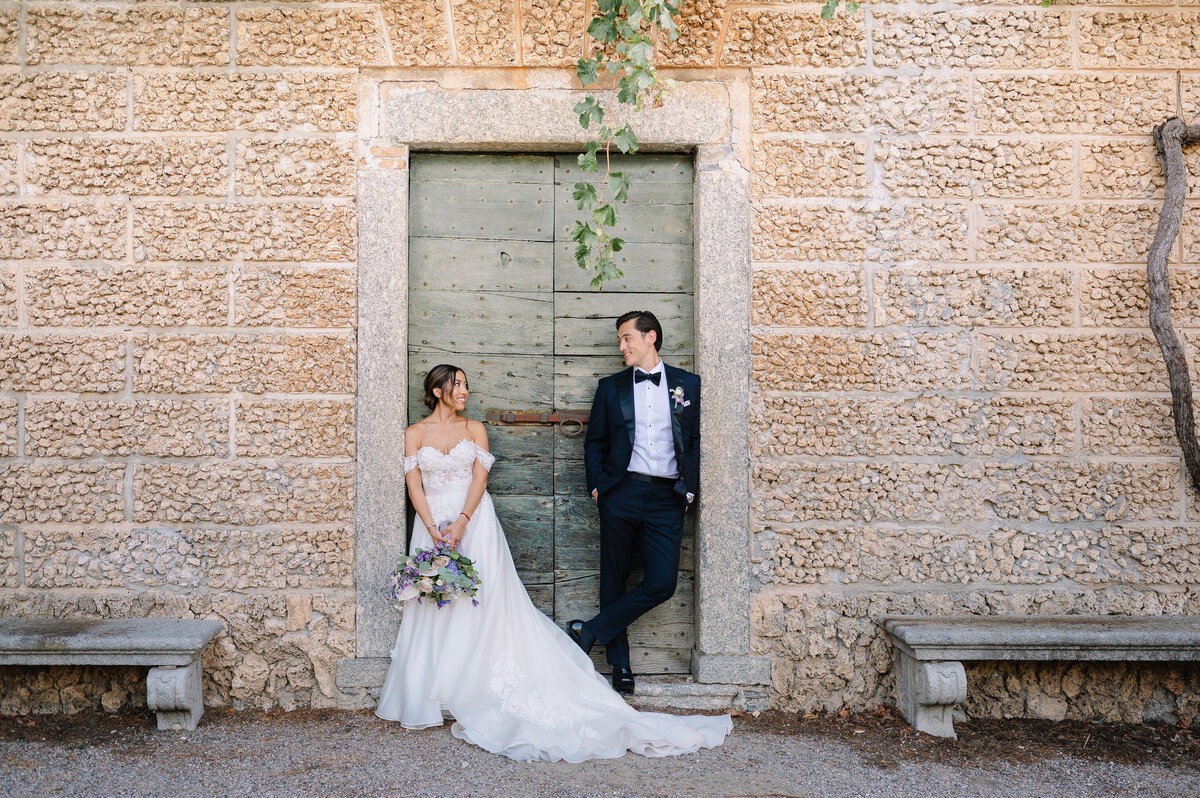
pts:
pixel 622 678
pixel 580 634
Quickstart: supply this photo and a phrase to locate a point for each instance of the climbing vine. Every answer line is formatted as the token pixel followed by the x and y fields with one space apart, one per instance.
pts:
pixel 626 35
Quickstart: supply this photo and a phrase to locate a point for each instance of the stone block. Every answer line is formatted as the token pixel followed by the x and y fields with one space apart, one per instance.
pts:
pixel 9 22
pixel 783 426
pixel 1119 297
pixel 770 37
pixel 204 363
pixel 418 30
pixel 975 168
pixel 1072 103
pixel 63 230
pixel 786 168
pixel 186 165
pixel 138 557
pixel 329 36
pixel 62 101
pixel 308 167
pixel 485 32
pixel 1129 169
pixel 974 296
pixel 1139 39
pixel 126 296
pixel 243 493
pixel 926 104
pixel 297 428
pixel 10 563
pixel 254 232
pixel 699 24
pixel 552 32
pixel 144 35
pixel 82 428
pixel 728 669
pixel 1191 233
pixel 244 101
pixel 1043 491
pixel 809 298
pixel 861 361
pixel 52 362
pixel 899 231
pixel 1107 233
pixel 41 493
pixel 8 427
pixel 8 296
pixel 1002 39
pixel 8 168
pixel 365 672
pixel 1120 426
pixel 294 297
pixel 1087 362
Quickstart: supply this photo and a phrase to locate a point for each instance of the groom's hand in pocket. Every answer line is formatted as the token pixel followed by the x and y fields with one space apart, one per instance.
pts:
pixel 596 495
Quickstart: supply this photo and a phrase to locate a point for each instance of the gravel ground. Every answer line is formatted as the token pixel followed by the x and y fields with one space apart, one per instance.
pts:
pixel 320 753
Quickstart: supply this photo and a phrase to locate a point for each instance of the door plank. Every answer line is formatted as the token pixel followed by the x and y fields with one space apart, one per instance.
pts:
pixel 475 209
pixel 653 168
pixel 473 167
pixel 649 267
pixel 528 523
pixel 474 264
pixel 524 461
pixel 484 322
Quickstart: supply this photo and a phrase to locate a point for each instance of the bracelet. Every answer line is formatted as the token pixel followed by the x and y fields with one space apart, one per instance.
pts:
pixel 466 516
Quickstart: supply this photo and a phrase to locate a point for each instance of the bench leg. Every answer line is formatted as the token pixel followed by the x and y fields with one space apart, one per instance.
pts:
pixel 928 693
pixel 174 693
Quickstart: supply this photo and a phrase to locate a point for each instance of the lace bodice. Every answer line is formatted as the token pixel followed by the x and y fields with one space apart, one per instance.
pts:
pixel 451 471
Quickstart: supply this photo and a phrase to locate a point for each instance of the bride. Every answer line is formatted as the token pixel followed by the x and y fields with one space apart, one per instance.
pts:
pixel 513 681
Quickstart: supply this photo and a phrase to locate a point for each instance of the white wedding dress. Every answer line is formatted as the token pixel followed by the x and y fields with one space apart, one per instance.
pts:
pixel 513 681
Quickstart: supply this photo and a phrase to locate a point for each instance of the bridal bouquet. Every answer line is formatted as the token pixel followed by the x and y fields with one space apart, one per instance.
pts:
pixel 440 574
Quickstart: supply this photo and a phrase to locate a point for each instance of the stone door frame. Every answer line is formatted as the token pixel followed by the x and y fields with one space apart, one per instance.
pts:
pixel 531 111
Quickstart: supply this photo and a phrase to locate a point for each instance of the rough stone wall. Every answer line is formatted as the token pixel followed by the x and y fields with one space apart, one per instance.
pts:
pixel 177 304
pixel 956 407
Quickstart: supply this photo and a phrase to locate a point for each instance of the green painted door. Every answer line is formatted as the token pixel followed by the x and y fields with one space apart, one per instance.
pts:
pixel 494 289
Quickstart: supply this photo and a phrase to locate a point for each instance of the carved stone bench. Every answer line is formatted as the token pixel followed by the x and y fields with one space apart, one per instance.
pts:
pixel 171 647
pixel 932 649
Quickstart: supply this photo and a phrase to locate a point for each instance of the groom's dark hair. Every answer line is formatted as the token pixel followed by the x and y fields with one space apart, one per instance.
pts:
pixel 646 321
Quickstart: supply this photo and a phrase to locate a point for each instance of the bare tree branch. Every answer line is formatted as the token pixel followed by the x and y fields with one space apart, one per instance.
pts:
pixel 1170 138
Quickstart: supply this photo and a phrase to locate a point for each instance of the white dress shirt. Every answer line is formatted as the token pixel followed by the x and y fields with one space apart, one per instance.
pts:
pixel 653 441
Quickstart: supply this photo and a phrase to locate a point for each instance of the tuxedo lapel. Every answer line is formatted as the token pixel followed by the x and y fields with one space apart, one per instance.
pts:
pixel 674 381
pixel 625 399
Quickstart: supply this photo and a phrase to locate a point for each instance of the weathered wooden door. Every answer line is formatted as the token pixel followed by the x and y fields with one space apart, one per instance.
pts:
pixel 494 289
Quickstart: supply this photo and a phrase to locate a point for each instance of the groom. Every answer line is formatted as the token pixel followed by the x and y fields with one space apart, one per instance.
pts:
pixel 642 456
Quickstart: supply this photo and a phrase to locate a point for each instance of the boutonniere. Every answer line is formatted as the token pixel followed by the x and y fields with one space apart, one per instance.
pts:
pixel 677 395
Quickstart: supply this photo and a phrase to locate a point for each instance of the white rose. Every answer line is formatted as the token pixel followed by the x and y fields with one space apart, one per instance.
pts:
pixel 425 586
pixel 440 562
pixel 409 593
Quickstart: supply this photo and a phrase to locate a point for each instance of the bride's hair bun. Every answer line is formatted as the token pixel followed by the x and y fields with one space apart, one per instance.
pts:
pixel 441 377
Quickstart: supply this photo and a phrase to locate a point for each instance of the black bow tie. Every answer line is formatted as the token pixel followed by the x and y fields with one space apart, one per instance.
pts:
pixel 640 375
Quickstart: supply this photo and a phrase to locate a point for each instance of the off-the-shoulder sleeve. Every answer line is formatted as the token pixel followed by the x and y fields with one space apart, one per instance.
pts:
pixel 485 458
pixel 410 463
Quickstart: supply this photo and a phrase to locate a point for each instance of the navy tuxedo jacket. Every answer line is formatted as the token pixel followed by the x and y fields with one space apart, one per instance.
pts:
pixel 608 447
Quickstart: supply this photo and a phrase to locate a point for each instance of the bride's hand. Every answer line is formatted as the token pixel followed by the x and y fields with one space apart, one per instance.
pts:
pixel 454 533
pixel 438 535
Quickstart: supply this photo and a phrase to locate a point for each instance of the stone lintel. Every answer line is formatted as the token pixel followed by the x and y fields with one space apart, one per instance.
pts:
pixel 420 115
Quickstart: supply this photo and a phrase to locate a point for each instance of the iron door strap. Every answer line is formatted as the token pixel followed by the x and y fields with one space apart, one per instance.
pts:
pixel 570 423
